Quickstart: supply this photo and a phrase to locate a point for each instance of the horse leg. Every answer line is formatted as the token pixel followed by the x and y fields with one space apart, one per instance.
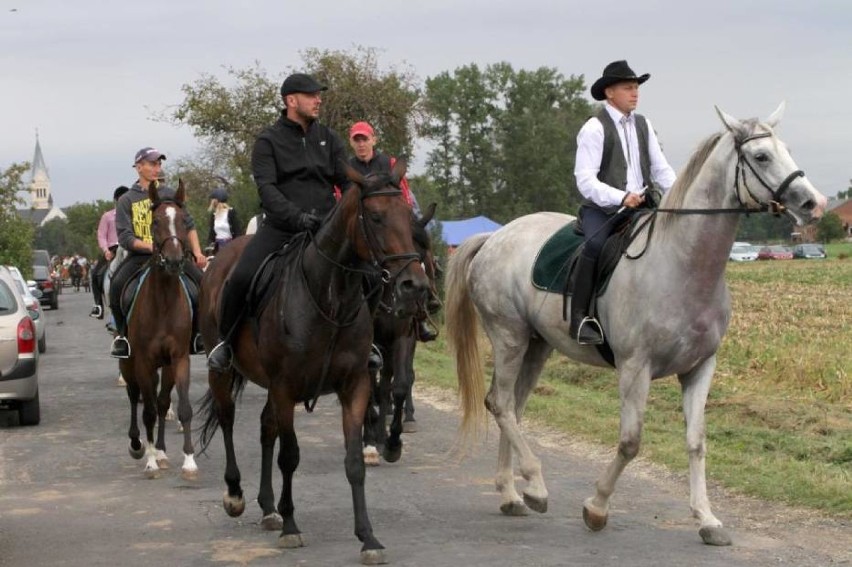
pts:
pixel 409 424
pixel 271 520
pixel 371 424
pixel 288 461
pixel 535 496
pixel 353 406
pixel 164 405
pixel 136 449
pixel 189 469
pixel 225 409
pixel 403 352
pixel 147 386
pixel 695 386
pixel 634 381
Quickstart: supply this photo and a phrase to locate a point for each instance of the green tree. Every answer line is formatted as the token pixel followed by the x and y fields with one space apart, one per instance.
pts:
pixel 830 228
pixel 52 236
pixel 16 234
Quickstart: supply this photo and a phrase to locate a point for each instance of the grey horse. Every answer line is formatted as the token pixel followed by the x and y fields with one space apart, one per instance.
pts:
pixel 664 313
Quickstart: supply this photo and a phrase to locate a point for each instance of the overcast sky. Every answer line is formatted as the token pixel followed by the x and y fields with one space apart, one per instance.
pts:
pixel 90 74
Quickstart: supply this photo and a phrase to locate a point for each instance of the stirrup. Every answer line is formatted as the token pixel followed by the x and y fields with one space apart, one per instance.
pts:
pixel 197 344
pixel 375 361
pixel 97 312
pixel 593 330
pixel 118 348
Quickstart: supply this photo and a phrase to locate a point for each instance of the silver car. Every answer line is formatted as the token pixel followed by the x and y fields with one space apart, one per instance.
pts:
pixel 31 295
pixel 18 353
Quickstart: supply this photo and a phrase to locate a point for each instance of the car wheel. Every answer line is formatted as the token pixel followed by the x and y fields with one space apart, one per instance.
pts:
pixel 42 343
pixel 30 412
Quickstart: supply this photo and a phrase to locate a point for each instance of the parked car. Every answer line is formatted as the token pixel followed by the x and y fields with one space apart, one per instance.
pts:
pixel 18 353
pixel 776 252
pixel 743 253
pixel 809 251
pixel 44 280
pixel 32 304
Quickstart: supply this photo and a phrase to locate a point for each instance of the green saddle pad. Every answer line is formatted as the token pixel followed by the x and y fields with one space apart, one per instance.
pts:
pixel 551 267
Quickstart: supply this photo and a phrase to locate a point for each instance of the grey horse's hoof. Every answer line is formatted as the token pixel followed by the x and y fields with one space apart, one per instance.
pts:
pixel 234 505
pixel 713 535
pixel 291 541
pixel 514 508
pixel 373 557
pixel 536 504
pixel 272 522
pixel 595 522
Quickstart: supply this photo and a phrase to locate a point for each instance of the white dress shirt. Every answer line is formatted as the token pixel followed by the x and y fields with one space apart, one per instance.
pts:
pixel 590 152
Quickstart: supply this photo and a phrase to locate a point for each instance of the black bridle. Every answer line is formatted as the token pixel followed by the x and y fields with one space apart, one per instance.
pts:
pixel 158 259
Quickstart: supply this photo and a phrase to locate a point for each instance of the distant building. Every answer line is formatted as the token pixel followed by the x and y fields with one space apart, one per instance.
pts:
pixel 843 209
pixel 41 209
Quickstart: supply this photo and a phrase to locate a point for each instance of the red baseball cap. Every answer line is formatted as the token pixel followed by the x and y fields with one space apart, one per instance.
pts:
pixel 361 128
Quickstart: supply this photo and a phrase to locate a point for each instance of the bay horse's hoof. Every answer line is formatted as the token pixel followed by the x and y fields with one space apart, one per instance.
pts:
pixel 514 508
pixel 392 455
pixel 136 452
pixel 291 541
pixel 594 521
pixel 371 456
pixel 536 504
pixel 234 505
pixel 715 535
pixel 152 474
pixel 163 464
pixel 272 522
pixel 373 557
pixel 409 426
pixel 120 382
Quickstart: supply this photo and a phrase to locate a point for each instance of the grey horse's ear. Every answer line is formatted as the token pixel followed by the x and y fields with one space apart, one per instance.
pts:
pixel 731 123
pixel 776 116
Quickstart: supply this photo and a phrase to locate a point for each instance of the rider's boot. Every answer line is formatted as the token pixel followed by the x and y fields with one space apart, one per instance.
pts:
pixel 375 361
pixel 220 357
pixel 585 329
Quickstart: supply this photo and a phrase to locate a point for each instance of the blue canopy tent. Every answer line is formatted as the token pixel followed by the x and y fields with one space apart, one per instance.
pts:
pixel 455 232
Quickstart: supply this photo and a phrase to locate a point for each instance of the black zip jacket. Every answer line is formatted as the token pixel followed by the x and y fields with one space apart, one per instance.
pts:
pixel 296 171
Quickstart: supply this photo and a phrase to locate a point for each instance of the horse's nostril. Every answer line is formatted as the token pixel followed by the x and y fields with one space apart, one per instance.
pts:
pixel 809 205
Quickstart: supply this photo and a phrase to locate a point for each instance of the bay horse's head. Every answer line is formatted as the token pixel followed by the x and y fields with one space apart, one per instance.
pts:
pixel 382 236
pixel 168 228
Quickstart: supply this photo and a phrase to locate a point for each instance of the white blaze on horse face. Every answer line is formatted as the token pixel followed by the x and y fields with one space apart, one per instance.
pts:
pixel 171 213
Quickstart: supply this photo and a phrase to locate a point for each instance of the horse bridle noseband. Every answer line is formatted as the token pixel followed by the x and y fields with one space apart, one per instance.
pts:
pixel 740 174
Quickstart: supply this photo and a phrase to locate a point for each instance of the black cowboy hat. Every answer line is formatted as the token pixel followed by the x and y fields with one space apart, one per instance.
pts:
pixel 615 72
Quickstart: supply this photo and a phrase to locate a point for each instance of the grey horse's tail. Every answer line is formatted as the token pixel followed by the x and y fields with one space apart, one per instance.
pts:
pixel 462 334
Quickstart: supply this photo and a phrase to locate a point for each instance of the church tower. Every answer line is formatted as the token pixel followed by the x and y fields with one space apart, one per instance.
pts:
pixel 40 197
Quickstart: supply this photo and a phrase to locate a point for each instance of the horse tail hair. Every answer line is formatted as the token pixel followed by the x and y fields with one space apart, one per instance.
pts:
pixel 207 410
pixel 462 328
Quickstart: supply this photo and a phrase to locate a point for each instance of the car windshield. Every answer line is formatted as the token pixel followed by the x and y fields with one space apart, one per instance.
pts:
pixel 741 249
pixel 811 248
pixel 779 248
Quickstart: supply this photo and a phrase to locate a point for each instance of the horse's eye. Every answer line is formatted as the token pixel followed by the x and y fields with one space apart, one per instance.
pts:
pixel 761 157
pixel 376 218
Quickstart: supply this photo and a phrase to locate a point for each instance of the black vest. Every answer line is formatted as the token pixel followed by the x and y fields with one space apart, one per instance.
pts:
pixel 613 169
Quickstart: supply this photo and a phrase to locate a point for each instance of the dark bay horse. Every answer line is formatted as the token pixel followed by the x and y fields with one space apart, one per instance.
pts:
pixel 312 338
pixel 159 329
pixel 397 338
pixel 664 312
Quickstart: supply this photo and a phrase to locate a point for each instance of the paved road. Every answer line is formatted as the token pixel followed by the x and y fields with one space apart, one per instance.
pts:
pixel 70 495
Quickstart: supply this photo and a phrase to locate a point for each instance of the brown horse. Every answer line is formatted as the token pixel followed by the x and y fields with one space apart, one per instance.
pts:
pixel 397 339
pixel 313 338
pixel 159 329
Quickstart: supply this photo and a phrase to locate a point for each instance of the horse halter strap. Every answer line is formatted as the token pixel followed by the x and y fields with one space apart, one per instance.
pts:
pixel 740 174
pixel 158 257
pixel 379 260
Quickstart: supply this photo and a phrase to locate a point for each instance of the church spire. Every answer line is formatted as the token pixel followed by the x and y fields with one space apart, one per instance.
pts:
pixel 40 197
pixel 39 169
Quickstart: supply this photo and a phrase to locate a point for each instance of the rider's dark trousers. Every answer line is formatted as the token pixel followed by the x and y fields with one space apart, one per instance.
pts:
pixel 125 271
pixel 266 240
pixel 97 277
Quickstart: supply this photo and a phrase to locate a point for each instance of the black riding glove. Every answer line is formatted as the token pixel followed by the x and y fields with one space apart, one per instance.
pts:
pixel 309 222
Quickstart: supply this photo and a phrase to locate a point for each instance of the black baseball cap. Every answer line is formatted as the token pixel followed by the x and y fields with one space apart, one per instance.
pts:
pixel 301 83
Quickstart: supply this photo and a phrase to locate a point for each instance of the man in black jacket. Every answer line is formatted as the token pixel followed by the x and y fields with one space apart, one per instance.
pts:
pixel 296 163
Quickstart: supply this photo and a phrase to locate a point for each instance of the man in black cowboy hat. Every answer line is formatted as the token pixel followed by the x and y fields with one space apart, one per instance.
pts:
pixel 296 163
pixel 618 160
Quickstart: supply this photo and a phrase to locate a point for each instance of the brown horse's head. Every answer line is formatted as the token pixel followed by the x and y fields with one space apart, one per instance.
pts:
pixel 381 233
pixel 168 227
